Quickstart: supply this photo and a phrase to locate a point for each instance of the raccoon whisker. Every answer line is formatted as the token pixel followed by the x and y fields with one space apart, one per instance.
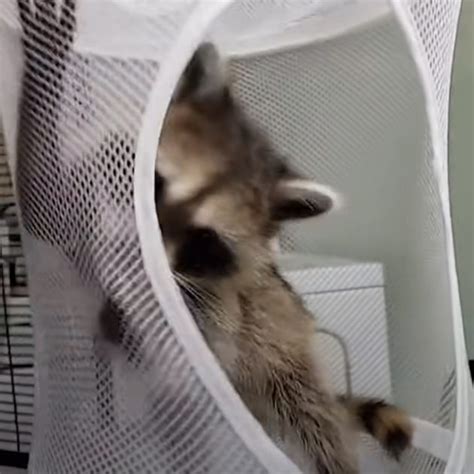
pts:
pixel 193 286
pixel 208 305
pixel 184 280
pixel 189 287
pixel 200 294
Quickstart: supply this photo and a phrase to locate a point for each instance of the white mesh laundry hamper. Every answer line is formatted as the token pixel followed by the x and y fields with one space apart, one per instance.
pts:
pixel 356 91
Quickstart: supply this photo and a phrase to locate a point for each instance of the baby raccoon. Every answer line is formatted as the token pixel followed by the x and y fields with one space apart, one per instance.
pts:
pixel 222 192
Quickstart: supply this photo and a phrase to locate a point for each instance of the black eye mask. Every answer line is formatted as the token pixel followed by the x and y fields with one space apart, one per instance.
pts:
pixel 204 254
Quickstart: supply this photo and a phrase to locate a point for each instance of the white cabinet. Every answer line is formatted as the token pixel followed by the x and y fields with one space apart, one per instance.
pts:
pixel 347 299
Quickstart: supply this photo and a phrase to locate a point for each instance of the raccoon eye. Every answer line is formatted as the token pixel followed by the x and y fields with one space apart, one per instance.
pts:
pixel 204 254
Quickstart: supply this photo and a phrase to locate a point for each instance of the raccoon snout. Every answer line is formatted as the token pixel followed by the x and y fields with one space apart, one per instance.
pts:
pixel 204 254
pixel 159 187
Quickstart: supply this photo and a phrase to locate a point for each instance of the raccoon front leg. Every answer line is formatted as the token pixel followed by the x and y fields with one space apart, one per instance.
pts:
pixel 312 417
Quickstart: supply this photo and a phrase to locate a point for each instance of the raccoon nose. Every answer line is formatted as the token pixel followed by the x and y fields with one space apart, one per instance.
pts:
pixel 204 254
pixel 159 187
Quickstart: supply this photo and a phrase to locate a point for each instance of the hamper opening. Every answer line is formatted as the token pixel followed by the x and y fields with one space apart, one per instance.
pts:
pixel 351 111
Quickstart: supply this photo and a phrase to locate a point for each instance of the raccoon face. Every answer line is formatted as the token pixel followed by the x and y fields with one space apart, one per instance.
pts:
pixel 222 190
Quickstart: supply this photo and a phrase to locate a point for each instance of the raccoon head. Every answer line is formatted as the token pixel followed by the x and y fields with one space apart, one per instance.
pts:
pixel 222 190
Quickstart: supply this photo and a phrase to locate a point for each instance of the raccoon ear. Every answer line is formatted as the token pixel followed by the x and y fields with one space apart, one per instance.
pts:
pixel 204 78
pixel 297 198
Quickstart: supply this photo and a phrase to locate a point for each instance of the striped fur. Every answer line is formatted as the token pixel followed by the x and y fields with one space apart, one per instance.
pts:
pixel 388 424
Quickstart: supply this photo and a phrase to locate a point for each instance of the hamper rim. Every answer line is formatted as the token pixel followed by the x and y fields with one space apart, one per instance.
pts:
pixel 281 41
pixel 458 450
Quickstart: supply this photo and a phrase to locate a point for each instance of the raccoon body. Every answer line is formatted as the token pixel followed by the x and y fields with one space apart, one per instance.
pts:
pixel 222 192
